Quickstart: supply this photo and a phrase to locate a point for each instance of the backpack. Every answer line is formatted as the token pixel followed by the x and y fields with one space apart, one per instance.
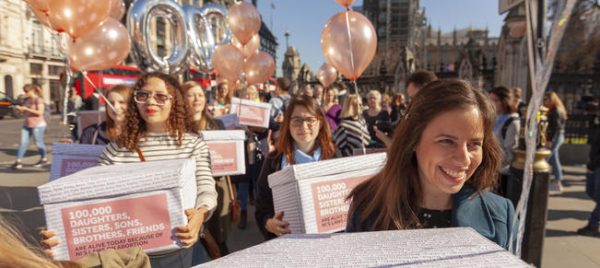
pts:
pixel 507 123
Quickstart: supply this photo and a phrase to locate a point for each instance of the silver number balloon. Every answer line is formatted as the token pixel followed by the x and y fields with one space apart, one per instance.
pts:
pixel 200 33
pixel 139 18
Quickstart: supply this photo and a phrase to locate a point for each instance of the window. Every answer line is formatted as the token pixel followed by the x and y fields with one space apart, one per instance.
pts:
pixel 37 37
pixel 36 68
pixel 55 70
pixel 8 86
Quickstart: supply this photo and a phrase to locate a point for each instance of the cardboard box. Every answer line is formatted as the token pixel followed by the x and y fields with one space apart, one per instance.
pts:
pixel 361 151
pixel 119 206
pixel 251 113
pixel 70 158
pixel 226 151
pixel 313 195
pixel 230 121
pixel 88 118
pixel 443 247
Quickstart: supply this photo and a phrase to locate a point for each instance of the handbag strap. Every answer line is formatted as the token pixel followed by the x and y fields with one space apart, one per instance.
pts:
pixel 139 153
pixel 232 194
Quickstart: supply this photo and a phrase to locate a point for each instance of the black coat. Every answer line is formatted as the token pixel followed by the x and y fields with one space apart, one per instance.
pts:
pixel 264 196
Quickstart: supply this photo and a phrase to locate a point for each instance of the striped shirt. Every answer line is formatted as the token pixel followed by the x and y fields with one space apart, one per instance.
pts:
pixel 162 146
pixel 351 134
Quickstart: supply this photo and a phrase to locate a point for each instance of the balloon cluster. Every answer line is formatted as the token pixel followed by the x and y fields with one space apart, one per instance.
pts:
pixel 242 57
pixel 192 37
pixel 99 40
pixel 349 43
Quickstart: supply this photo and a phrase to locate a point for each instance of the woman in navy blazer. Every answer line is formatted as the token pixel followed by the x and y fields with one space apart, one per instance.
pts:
pixel 442 160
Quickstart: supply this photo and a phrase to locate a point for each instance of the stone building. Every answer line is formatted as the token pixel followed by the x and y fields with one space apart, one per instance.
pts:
pixel 468 54
pixel 29 53
pixel 399 25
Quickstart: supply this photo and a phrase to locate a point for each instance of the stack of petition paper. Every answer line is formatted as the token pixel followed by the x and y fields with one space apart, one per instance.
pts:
pixel 313 195
pixel 119 206
pixel 444 247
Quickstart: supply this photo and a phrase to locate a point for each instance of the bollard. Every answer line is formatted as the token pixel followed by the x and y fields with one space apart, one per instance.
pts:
pixel 537 208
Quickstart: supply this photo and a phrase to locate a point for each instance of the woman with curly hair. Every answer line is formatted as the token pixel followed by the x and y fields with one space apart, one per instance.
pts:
pixel 304 137
pixel 159 128
pixel 442 160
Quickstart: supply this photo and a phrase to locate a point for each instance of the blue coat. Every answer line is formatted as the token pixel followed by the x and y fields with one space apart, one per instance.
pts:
pixel 489 214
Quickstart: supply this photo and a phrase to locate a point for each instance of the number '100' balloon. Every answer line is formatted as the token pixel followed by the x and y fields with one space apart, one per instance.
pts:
pixel 189 28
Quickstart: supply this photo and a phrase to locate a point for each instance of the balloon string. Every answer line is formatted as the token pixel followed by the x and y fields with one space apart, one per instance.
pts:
pixel 350 42
pixel 98 91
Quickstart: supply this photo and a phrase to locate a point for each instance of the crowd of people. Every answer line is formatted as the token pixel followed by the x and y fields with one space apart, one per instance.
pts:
pixel 448 157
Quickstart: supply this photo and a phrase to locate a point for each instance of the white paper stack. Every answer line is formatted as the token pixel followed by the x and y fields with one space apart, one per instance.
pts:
pixel 70 158
pixel 444 247
pixel 251 113
pixel 313 195
pixel 119 206
pixel 226 151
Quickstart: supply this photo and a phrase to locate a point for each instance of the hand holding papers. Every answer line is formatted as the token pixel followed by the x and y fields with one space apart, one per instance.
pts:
pixel 313 195
pixel 119 206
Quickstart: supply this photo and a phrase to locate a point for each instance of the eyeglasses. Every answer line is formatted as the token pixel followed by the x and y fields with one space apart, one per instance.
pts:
pixel 299 121
pixel 143 97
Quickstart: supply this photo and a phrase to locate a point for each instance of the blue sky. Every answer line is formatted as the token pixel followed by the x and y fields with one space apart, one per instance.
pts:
pixel 304 20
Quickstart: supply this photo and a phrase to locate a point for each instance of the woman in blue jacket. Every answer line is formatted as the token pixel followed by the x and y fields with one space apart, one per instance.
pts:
pixel 442 161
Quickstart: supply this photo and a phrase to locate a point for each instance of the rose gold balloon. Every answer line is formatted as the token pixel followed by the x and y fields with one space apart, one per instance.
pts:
pixel 77 17
pixel 228 62
pixel 117 9
pixel 244 21
pixel 41 17
pixel 349 54
pixel 249 49
pixel 259 68
pixel 326 74
pixel 345 3
pixel 39 5
pixel 105 46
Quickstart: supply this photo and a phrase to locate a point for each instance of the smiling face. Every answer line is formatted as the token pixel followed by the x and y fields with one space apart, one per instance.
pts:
pixel 120 105
pixel 195 100
pixel 304 127
pixel 449 151
pixel 155 115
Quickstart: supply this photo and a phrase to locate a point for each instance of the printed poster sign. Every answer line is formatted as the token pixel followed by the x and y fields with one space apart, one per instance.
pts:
pixel 331 207
pixel 252 116
pixel 223 157
pixel 140 221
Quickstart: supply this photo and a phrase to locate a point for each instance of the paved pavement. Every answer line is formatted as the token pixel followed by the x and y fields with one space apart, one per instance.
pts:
pixel 568 211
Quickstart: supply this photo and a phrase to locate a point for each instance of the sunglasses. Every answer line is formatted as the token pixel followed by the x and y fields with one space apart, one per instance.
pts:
pixel 143 97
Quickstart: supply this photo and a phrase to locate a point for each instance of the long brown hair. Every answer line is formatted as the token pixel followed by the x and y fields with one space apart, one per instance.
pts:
pixel 556 103
pixel 285 143
pixel 111 126
pixel 506 97
pixel 394 195
pixel 178 122
pixel 207 120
